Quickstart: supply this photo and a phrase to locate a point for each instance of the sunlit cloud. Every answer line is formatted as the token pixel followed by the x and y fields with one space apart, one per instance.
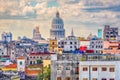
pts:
pixel 85 16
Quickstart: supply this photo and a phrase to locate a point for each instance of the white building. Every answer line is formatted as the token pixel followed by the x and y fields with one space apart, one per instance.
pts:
pixel 99 70
pixel 70 43
pixel 6 36
pixel 85 43
pixel 21 64
pixel 96 45
pixel 3 50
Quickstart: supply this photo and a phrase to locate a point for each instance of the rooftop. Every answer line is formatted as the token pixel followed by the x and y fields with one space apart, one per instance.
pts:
pixel 11 66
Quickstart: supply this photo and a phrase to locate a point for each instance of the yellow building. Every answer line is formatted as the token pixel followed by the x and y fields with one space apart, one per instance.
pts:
pixel 53 45
pixel 46 63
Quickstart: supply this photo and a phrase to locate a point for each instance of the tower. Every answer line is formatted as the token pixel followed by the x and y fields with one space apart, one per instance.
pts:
pixel 21 64
pixel 72 33
pixel 57 30
pixel 36 34
pixel 100 33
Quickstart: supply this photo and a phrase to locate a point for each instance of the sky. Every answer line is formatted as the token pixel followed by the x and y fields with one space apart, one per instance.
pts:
pixel 85 16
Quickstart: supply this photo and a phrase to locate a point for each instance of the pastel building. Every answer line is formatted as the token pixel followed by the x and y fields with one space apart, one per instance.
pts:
pixel 100 33
pixel 96 45
pixel 36 34
pixel 53 45
pixel 70 43
pixel 99 70
pixel 110 33
pixel 34 58
pixel 111 47
pixel 21 64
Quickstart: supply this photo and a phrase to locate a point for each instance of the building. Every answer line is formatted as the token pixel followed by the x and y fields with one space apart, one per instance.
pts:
pixel 85 43
pixel 36 58
pixel 6 37
pixel 100 33
pixel 57 30
pixel 99 70
pixel 110 33
pixel 111 47
pixel 36 34
pixel 70 43
pixel 53 45
pixel 3 49
pixel 21 64
pixel 96 45
pixel 65 67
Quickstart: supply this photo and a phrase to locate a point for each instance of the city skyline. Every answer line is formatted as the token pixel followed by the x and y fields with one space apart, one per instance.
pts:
pixel 21 16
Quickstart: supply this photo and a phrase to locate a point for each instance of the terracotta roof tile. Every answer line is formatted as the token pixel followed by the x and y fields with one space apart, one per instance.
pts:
pixel 11 66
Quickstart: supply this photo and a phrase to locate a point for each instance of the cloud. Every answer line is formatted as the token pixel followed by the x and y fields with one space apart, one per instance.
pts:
pixel 84 15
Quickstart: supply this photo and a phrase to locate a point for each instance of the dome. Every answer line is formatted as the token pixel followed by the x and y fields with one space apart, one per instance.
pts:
pixel 57 19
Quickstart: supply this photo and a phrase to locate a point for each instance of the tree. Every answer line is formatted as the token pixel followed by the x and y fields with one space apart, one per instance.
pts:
pixel 39 61
pixel 46 73
pixel 40 76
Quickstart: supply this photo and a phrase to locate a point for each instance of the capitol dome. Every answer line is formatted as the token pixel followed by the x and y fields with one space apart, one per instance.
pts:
pixel 57 19
pixel 57 29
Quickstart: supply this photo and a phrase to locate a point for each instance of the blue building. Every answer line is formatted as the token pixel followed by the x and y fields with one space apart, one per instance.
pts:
pixel 100 33
pixel 6 37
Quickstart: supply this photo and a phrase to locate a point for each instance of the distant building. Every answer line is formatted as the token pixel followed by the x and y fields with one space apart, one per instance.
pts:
pixel 70 43
pixel 57 31
pixel 53 45
pixel 36 34
pixel 21 64
pixel 6 37
pixel 96 45
pixel 100 33
pixel 3 50
pixel 111 47
pixel 35 58
pixel 110 33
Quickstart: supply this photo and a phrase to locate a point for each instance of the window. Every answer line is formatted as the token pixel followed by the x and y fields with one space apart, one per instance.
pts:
pixel 112 79
pixel 104 69
pixel 70 42
pixel 75 47
pixel 85 68
pixel 94 79
pixel 53 43
pixel 85 79
pixel 94 69
pixel 20 62
pixel 67 78
pixel 75 42
pixel 59 68
pixel 65 42
pixel 112 69
pixel 30 62
pixel 59 78
pixel 67 68
pixel 104 79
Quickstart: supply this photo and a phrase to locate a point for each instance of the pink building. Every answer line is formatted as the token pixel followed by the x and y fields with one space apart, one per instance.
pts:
pixel 111 47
